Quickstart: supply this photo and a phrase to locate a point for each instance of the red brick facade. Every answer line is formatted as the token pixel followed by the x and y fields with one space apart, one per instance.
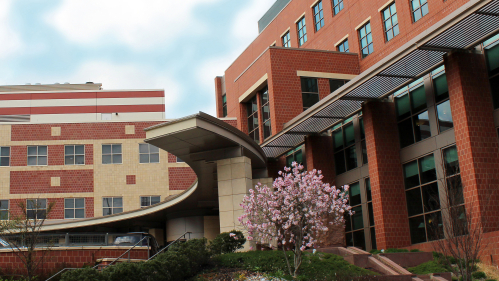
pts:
pixel 131 179
pixel 385 173
pixel 181 178
pixel 319 152
pixel 476 136
pixel 33 182
pixel 58 259
pixel 79 131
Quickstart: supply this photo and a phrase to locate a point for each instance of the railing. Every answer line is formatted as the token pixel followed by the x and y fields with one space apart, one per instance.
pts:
pixel 128 251
pixel 78 239
pixel 167 246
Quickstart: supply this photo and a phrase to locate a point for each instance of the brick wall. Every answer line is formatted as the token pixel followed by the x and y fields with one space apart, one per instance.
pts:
pixel 476 136
pixel 32 182
pixel 385 173
pixel 181 178
pixel 319 154
pixel 58 259
pixel 79 131
pixel 488 255
pixel 18 155
pixel 218 95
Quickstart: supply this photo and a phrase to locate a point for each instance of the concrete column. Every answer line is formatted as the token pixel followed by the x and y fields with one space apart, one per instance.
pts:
pixel 319 155
pixel 385 173
pixel 234 182
pixel 476 136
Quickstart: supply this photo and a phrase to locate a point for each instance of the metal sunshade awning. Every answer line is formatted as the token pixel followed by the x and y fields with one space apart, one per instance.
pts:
pixel 463 29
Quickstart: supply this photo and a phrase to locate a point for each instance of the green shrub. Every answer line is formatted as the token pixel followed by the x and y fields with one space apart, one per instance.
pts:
pixel 391 250
pixel 429 267
pixel 490 280
pixel 479 275
pixel 181 262
pixel 224 243
pixel 84 274
pixel 415 251
pixel 314 266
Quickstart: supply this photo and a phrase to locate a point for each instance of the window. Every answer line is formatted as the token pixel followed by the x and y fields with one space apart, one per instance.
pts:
pixel 343 46
pixel 267 128
pixel 224 105
pixel 37 155
pixel 112 205
pixel 302 31
pixel 363 141
pixel 148 153
pixel 423 201
pixel 74 208
pixel 491 47
pixel 180 160
pixel 371 213
pixel 345 155
pixel 111 154
pixel 318 16
pixel 309 92
pixel 146 201
pixel 74 155
pixel 4 209
pixel 253 125
pixel 454 190
pixel 4 156
pixel 366 40
pixel 444 113
pixel 337 6
pixel 419 9
pixel 390 22
pixel 412 113
pixel 354 224
pixel 36 209
pixel 335 84
pixel 294 156
pixel 286 40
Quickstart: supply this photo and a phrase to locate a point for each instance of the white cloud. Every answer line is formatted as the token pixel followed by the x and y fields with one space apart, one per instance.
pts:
pixel 128 76
pixel 10 41
pixel 244 30
pixel 245 26
pixel 137 23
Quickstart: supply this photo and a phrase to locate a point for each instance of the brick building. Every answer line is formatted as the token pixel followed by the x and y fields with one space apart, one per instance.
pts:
pixel 397 99
pixel 83 149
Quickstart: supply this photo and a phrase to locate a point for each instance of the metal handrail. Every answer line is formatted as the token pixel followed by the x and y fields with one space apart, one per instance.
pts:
pixel 96 266
pixel 127 251
pixel 167 246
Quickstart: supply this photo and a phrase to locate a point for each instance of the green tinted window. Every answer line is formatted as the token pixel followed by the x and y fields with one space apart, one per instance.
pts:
pixel 493 58
pixel 441 89
pixel 349 134
pixel 355 194
pixel 411 174
pixel 451 161
pixel 299 157
pixel 362 131
pixel 357 219
pixel 403 106
pixel 338 139
pixel 418 99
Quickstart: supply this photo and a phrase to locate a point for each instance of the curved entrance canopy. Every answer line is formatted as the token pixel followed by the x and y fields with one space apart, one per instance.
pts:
pixel 200 140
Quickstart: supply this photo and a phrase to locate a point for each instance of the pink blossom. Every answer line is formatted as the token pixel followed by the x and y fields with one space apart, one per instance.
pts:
pixel 295 211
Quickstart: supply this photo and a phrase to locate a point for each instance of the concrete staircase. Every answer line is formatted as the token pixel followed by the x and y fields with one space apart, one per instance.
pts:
pixel 388 268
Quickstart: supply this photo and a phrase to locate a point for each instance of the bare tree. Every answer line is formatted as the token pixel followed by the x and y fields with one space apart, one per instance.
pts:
pixel 23 234
pixel 459 237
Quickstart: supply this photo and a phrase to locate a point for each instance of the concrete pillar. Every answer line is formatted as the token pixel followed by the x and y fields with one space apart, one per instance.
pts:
pixel 319 154
pixel 385 173
pixel 476 136
pixel 234 182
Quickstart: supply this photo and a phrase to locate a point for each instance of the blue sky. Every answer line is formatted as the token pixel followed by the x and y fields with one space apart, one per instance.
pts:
pixel 179 46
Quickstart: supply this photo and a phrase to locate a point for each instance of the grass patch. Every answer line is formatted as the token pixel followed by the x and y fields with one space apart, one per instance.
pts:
pixel 317 266
pixel 429 267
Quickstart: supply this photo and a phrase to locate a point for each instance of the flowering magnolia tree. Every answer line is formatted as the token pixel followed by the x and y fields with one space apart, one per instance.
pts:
pixel 295 211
